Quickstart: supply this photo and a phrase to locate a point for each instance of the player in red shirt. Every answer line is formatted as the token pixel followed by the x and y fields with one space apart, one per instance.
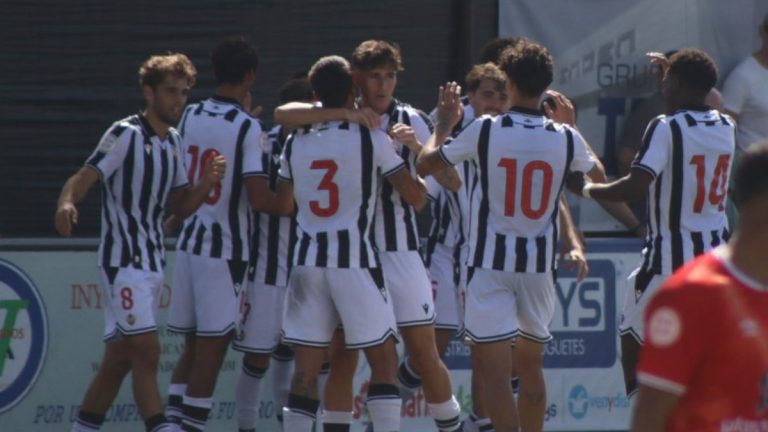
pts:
pixel 704 366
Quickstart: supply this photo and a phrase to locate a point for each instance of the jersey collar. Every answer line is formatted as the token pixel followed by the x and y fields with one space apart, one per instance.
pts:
pixel 227 100
pixel 721 255
pixel 146 126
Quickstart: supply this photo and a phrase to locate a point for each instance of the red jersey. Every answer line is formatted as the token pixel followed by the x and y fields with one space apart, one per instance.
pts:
pixel 706 335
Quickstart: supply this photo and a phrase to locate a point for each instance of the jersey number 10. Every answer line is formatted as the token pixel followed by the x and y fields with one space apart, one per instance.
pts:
pixel 526 201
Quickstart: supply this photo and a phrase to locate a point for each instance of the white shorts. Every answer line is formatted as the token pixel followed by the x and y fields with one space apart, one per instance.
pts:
pixel 442 274
pixel 503 305
pixel 261 319
pixel 408 282
pixel 319 299
pixel 132 297
pixel 636 300
pixel 206 295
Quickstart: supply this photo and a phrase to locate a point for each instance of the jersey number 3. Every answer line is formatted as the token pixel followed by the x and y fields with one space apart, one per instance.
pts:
pixel 328 185
pixel 526 201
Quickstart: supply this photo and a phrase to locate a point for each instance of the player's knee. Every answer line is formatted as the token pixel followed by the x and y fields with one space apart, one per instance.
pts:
pixel 256 361
pixel 145 352
pixel 424 359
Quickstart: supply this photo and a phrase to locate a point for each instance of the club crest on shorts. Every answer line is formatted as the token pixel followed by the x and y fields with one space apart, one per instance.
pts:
pixel 23 335
pixel 131 319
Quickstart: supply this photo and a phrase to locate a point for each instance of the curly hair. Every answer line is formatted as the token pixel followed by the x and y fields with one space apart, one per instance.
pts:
pixel 530 68
pixel 373 53
pixel 694 68
pixel 486 71
pixel 156 68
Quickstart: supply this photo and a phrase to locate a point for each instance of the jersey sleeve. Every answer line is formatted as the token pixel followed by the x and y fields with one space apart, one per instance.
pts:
pixel 735 91
pixel 285 173
pixel 384 154
pixel 111 151
pixel 422 126
pixel 676 336
pixel 583 159
pixel 433 188
pixel 180 179
pixel 464 145
pixel 654 153
pixel 255 141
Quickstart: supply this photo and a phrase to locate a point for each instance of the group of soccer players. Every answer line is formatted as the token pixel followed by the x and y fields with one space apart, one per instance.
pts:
pixel 301 244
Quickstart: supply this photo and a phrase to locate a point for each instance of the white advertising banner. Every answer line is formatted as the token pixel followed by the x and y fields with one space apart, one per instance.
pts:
pixel 52 324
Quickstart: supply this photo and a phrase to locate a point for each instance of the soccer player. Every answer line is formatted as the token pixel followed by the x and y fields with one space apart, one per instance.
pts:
pixel 375 65
pixel 686 382
pixel 521 159
pixel 683 165
pixel 213 248
pixel 333 170
pixel 271 243
pixel 139 163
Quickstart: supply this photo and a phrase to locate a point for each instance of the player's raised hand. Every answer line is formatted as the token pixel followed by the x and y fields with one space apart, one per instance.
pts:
pixel 365 117
pixel 404 134
pixel 449 107
pixel 659 60
pixel 563 111
pixel 66 218
pixel 214 169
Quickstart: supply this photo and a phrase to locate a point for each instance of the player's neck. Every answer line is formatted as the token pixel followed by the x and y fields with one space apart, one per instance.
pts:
pixel 230 91
pixel 762 55
pixel 747 250
pixel 525 102
pixel 158 126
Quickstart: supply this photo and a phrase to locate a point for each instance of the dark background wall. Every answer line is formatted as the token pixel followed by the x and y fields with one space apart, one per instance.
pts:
pixel 68 69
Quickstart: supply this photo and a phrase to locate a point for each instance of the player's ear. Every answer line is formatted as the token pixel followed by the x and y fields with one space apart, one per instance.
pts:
pixel 149 93
pixel 357 77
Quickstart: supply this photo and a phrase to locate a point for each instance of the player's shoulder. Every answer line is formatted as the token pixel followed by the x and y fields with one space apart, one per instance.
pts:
pixel 415 114
pixel 703 276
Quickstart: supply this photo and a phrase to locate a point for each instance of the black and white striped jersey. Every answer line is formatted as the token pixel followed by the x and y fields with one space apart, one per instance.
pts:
pixel 396 227
pixel 138 171
pixel 521 160
pixel 274 237
pixel 223 225
pixel 336 169
pixel 689 155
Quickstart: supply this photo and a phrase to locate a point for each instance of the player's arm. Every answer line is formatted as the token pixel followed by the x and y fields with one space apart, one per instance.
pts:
pixel 447 177
pixel 263 199
pixel 652 409
pixel 74 191
pixel 184 202
pixel 413 191
pixel 571 242
pixel 296 114
pixel 618 209
pixel 449 111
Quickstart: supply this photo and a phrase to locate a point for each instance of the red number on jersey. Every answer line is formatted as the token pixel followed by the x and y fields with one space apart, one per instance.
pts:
pixel 326 184
pixel 215 194
pixel 717 187
pixel 526 202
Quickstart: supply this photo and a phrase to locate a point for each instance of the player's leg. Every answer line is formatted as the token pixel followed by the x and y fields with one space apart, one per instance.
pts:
pixel 217 286
pixel 181 320
pixel 260 323
pixel 490 323
pixel 339 391
pixel 145 354
pixel 535 294
pixel 281 371
pixel 309 322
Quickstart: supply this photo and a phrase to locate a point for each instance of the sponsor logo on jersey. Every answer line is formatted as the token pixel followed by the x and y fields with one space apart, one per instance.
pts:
pixel 23 335
pixel 664 327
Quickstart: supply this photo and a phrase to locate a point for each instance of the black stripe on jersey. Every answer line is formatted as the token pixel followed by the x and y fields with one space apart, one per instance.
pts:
pixel 303 249
pixel 344 125
pixel 388 210
pixel 273 246
pixel 125 252
pixel 343 237
pixel 697 238
pixel 199 239
pixel 410 228
pixel 689 119
pixel 133 226
pixel 500 252
pixel 656 263
pixel 714 239
pixel 144 195
pixel 254 251
pixel 676 195
pixel 107 247
pixel 234 199
pixel 646 141
pixel 158 211
pixel 482 228
pixel 199 109
pixel 187 234
pixel 521 254
pixel 366 164
pixel 292 240
pixel 569 150
pixel 506 121
pixel 94 160
pixel 231 115
pixel 217 240
pixel 541 253
pixel 321 260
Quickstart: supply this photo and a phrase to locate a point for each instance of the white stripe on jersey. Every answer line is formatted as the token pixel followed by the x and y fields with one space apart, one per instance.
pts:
pixel 221 227
pixel 521 159
pixel 396 227
pixel 336 169
pixel 274 236
pixel 138 171
pixel 689 155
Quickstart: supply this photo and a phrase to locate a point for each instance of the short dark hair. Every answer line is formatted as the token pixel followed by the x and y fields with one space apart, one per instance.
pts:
pixel 694 69
pixel 295 90
pixel 158 67
pixel 751 174
pixel 530 67
pixel 485 71
pixel 374 53
pixel 331 81
pixel 232 59
pixel 491 51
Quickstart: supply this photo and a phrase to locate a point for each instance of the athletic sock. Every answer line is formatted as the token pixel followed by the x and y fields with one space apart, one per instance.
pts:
pixel 175 400
pixel 384 406
pixel 299 413
pixel 158 423
pixel 446 415
pixel 408 380
pixel 281 371
pixel 87 422
pixel 195 412
pixel 247 395
pixel 337 421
